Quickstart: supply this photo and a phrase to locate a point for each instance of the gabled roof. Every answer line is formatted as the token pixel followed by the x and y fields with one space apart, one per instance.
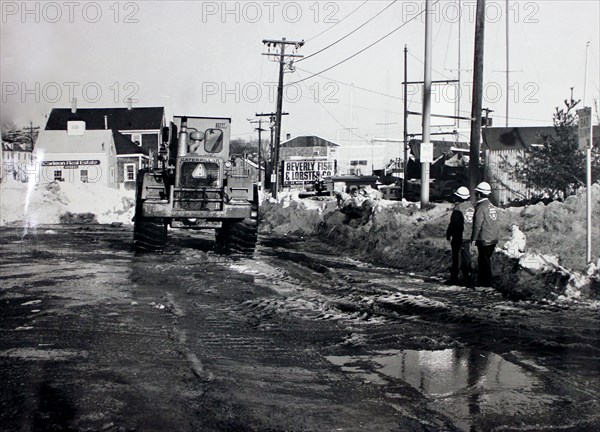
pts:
pixel 308 141
pixel 125 146
pixel 142 118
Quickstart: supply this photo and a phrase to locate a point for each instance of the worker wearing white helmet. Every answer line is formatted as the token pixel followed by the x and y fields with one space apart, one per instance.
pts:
pixel 485 233
pixel 458 234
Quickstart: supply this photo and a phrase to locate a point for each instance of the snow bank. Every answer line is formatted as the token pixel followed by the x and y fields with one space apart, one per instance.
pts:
pixel 395 233
pixel 549 264
pixel 30 204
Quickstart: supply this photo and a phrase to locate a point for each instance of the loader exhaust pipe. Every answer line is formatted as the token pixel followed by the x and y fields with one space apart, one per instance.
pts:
pixel 182 147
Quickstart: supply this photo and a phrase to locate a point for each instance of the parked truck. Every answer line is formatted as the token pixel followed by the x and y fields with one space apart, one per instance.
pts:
pixel 195 183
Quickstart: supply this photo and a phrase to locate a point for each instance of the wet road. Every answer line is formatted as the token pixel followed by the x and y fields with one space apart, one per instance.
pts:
pixel 298 337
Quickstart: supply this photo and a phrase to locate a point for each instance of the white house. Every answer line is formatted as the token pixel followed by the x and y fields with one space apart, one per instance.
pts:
pixel 90 157
pixel 16 158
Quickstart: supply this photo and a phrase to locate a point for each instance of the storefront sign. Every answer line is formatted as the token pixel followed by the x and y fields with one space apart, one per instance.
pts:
pixel 67 163
pixel 307 171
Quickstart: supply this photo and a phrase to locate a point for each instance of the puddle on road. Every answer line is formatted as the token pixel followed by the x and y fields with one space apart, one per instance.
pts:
pixel 462 383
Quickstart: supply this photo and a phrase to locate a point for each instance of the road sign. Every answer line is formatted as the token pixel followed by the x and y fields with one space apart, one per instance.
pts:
pixel 426 152
pixel 585 128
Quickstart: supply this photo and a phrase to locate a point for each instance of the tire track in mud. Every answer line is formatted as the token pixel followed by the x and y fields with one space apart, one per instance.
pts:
pixel 316 284
pixel 552 341
pixel 272 346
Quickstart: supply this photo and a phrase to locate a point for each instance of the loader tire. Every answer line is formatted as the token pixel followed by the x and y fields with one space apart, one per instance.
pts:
pixel 149 234
pixel 237 237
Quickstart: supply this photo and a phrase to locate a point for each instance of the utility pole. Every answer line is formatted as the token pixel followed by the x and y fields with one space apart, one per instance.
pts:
pixel 282 56
pixel 407 112
pixel 475 145
pixel 260 130
pixel 31 134
pixel 271 116
pixel 507 68
pixel 586 129
pixel 458 89
pixel 507 71
pixel 426 108
pixel 405 163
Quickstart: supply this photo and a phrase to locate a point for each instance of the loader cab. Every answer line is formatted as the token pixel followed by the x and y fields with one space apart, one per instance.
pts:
pixel 198 152
pixel 205 136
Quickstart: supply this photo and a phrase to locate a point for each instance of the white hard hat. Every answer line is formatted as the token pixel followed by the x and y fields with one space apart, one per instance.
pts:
pixel 484 188
pixel 462 192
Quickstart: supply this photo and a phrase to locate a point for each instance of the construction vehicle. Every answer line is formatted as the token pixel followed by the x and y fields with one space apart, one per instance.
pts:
pixel 448 171
pixel 194 183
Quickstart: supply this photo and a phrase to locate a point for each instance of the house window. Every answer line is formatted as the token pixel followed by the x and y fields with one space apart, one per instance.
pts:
pixel 83 174
pixel 58 175
pixel 129 172
pixel 112 174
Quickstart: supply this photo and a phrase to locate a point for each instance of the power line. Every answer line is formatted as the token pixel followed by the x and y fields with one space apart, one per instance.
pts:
pixel 349 85
pixel 353 31
pixel 332 116
pixel 421 61
pixel 366 48
pixel 329 28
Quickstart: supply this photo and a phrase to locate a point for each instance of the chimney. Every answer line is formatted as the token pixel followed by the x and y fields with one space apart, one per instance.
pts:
pixel 129 104
pixel 74 105
pixel 105 122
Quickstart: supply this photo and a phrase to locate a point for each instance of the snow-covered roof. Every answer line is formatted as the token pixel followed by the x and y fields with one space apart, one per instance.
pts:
pixel 308 141
pixel 15 147
pixel 90 142
pixel 57 141
pixel 250 162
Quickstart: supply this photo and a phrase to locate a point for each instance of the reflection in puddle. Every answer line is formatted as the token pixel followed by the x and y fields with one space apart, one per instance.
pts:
pixel 462 383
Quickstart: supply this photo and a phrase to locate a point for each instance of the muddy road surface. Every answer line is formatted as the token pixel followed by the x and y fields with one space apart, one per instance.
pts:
pixel 299 337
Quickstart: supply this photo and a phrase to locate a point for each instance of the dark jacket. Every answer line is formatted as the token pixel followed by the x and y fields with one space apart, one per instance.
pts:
pixel 485 224
pixel 461 222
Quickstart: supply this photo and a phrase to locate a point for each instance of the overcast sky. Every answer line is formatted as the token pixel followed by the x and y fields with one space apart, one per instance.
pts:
pixel 205 59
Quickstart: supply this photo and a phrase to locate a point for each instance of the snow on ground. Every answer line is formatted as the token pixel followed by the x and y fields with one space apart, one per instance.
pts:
pixel 395 233
pixel 398 233
pixel 30 204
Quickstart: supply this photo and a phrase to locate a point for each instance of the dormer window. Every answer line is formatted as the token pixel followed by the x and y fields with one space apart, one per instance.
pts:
pixel 136 138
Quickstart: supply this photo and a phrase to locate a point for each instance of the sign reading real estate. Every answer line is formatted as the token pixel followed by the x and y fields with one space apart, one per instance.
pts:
pixel 68 163
pixel 306 171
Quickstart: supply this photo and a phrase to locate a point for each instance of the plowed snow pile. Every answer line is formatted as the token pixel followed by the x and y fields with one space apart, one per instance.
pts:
pixel 400 234
pixel 30 205
pixel 392 233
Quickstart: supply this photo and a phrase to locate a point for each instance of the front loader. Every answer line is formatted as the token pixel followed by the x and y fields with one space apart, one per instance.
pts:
pixel 196 184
